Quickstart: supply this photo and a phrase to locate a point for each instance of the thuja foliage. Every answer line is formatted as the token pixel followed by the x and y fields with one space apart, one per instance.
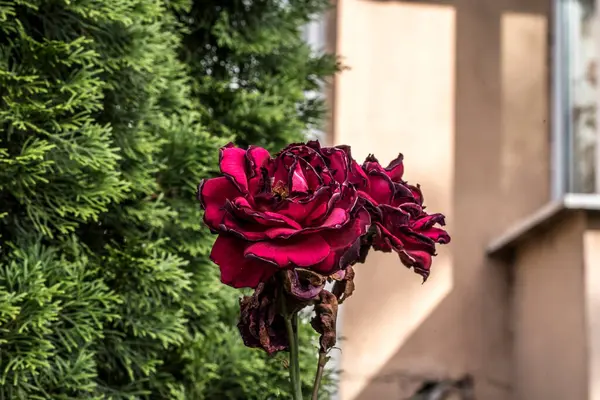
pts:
pixel 111 111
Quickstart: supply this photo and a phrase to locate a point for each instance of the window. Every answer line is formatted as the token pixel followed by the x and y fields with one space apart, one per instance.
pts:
pixel 576 94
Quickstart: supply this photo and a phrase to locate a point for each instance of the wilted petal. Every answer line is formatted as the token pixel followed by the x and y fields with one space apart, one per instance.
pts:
pixel 417 194
pixel 344 287
pixel 338 163
pixel 324 321
pixel 303 285
pixel 425 226
pixel 303 251
pixel 396 169
pixel 261 325
pixel 236 270
pixel 233 164
pixel 419 261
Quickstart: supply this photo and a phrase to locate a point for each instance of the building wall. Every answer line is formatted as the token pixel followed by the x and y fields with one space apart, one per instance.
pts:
pixel 461 88
pixel 549 322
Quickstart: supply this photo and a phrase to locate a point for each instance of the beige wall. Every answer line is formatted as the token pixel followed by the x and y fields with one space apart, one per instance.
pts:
pixel 461 89
pixel 549 314
pixel 591 276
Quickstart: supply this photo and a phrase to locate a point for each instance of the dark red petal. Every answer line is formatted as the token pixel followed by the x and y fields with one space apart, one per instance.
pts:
pixel 384 240
pixel 299 209
pixel 303 251
pixel 258 163
pixel 402 195
pixel 420 261
pixel 297 179
pixel 213 194
pixel 381 187
pixel 337 162
pixel 417 194
pixel 359 177
pixel 241 210
pixel 412 240
pixel 437 235
pixel 328 264
pixel 233 164
pixel 242 229
pixel 396 169
pixel 313 180
pixel 371 164
pixel 345 237
pixel 257 157
pixel 336 218
pixel 427 221
pixel 236 270
pixel 280 169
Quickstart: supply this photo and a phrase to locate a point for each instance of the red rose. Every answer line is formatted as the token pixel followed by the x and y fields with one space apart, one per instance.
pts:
pixel 399 220
pixel 298 209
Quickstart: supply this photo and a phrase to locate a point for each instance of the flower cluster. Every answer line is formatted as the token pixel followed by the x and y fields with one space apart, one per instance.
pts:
pixel 288 224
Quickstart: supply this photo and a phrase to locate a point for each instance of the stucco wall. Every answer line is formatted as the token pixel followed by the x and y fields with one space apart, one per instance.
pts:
pixel 549 314
pixel 461 88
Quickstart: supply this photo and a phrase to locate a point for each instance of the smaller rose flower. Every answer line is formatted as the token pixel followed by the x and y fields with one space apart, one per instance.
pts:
pixel 400 222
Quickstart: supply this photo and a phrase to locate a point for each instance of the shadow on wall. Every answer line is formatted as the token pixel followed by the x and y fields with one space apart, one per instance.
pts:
pixel 495 79
pixel 461 389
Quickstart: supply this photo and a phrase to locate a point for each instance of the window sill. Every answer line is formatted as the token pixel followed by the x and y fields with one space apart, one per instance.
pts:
pixel 505 243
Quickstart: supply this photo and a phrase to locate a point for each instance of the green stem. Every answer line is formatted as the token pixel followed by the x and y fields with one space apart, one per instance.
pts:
pixel 291 325
pixel 319 375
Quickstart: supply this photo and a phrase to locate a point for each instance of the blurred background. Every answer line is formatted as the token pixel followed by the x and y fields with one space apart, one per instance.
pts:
pixel 494 105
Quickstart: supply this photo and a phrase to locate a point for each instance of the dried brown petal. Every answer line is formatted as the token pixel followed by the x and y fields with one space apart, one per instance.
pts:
pixel 260 323
pixel 324 321
pixel 303 284
pixel 343 288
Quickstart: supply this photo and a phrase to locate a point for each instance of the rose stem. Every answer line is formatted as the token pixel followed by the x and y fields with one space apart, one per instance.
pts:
pixel 297 342
pixel 291 325
pixel 319 375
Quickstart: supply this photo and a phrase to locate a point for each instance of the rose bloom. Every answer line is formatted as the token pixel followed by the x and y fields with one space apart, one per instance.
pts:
pixel 400 222
pixel 297 209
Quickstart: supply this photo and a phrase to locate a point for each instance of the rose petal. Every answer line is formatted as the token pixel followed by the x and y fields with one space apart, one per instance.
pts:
pixel 343 288
pixel 381 187
pixel 258 160
pixel 338 163
pixel 420 261
pixel 328 265
pixel 299 209
pixel 298 180
pixel 213 194
pixel 260 324
pixel 303 251
pixel 257 157
pixel 336 218
pixel 396 168
pixel 324 321
pixel 233 164
pixel 303 285
pixel 236 270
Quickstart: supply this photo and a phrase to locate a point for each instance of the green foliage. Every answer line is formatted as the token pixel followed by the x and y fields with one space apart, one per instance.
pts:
pixel 111 111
